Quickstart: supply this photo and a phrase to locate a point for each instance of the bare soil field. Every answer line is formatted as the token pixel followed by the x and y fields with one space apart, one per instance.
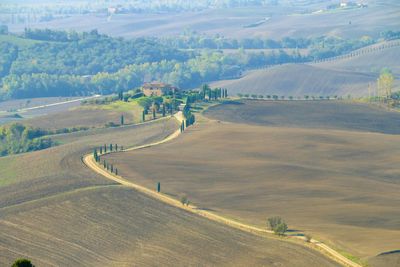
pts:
pixel 324 114
pixel 339 183
pixel 285 20
pixel 116 226
pixel 78 218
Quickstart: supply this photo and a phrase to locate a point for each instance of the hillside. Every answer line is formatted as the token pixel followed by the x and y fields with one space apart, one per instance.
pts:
pixel 299 80
pixel 332 177
pixel 78 218
pixel 349 75
pixel 285 20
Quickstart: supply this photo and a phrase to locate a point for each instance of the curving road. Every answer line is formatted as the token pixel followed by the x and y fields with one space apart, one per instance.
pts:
pixel 91 163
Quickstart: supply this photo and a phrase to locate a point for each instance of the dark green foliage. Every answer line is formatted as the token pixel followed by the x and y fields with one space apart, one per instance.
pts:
pixel 22 263
pixel 116 147
pixel 122 119
pixel 277 225
pixel 111 147
pixel 143 116
pixel 163 110
pixel 116 171
pixel 18 138
pixel 154 113
pixel 185 200
pixel 158 187
pixel 104 164
pixel 95 155
pixel 105 148
pixel 101 150
pixel 112 168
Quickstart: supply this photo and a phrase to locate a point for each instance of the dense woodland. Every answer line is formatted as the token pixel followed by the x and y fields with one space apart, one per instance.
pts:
pixel 18 138
pixel 59 63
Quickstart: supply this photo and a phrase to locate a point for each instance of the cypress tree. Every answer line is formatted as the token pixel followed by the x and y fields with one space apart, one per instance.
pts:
pixel 143 116
pixel 104 164
pixel 154 113
pixel 101 150
pixel 158 187
pixel 105 148
pixel 163 110
pixel 116 171
pixel 111 147
pixel 122 119
pixel 112 168
pixel 95 154
pixel 116 147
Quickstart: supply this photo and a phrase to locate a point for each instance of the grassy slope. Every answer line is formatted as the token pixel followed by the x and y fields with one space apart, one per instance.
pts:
pixel 340 186
pixel 89 115
pixel 79 218
pixel 21 42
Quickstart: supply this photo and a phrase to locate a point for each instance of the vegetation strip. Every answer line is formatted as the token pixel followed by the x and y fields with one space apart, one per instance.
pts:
pixel 90 162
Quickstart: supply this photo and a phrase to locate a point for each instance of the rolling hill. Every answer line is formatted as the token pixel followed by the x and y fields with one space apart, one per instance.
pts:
pixel 57 212
pixel 332 174
pixel 340 77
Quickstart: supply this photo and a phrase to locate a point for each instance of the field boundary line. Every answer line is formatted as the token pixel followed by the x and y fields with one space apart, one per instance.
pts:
pixel 89 161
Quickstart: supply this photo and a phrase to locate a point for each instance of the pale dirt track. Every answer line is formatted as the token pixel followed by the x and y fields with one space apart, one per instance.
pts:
pixel 89 161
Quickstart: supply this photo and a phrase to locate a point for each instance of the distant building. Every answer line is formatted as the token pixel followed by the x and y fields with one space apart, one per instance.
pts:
pixel 158 89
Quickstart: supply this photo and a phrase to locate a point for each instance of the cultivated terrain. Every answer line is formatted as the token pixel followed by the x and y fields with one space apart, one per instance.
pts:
pixel 326 174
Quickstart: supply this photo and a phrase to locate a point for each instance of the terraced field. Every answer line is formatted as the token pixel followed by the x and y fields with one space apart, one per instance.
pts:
pixel 338 181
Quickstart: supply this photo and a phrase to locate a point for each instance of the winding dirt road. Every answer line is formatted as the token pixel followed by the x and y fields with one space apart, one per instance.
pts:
pixel 91 163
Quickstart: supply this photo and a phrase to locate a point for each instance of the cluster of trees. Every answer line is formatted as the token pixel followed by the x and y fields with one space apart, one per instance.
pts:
pixel 277 225
pixel 87 53
pixel 318 45
pixel 282 97
pixel 18 138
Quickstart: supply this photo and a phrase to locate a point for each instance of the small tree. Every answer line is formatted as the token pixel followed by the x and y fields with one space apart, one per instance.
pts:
pixel 111 147
pixel 22 263
pixel 116 147
pixel 163 110
pixel 158 187
pixel 116 171
pixel 281 229
pixel 184 200
pixel 143 116
pixel 122 119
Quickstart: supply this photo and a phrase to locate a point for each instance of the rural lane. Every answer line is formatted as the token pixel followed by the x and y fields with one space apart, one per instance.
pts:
pixel 92 164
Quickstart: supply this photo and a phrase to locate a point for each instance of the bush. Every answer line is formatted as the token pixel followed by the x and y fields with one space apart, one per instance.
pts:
pixel 22 263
